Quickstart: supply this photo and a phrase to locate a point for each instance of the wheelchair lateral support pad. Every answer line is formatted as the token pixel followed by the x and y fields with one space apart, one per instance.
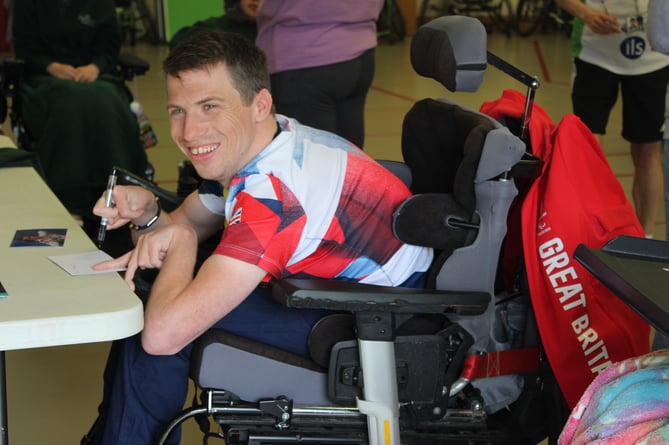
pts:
pixel 357 297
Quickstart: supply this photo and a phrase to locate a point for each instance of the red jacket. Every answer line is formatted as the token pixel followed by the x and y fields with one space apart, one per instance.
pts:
pixel 577 199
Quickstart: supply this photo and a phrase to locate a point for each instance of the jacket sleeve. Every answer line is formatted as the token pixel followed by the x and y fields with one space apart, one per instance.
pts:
pixel 26 38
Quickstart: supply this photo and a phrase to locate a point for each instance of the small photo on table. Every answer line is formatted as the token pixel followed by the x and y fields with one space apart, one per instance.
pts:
pixel 39 238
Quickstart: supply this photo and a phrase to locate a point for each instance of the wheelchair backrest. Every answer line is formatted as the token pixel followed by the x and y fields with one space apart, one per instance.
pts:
pixel 461 162
pixel 458 156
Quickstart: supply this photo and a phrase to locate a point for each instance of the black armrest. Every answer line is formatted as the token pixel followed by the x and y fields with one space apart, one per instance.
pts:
pixel 131 66
pixel 356 297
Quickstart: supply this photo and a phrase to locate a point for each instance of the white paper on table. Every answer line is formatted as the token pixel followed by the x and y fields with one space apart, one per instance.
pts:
pixel 82 263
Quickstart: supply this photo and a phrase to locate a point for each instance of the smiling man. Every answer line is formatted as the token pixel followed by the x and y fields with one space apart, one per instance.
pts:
pixel 300 202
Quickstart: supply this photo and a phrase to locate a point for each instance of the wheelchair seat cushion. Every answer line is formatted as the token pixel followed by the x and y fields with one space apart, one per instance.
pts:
pixel 253 370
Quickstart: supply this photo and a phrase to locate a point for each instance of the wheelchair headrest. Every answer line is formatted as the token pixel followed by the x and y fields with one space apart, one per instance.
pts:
pixel 451 50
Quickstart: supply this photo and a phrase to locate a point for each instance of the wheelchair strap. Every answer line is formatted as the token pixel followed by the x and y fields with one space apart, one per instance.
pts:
pixel 493 364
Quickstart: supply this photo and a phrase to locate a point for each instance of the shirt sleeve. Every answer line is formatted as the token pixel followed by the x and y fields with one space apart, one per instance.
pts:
pixel 658 25
pixel 265 225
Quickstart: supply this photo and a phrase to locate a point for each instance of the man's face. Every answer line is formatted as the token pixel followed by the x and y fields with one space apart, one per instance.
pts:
pixel 210 123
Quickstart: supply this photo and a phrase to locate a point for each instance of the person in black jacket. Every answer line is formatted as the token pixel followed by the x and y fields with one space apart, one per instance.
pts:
pixel 76 111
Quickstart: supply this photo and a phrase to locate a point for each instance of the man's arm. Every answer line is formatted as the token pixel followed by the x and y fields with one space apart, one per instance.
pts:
pixel 139 206
pixel 196 215
pixel 181 308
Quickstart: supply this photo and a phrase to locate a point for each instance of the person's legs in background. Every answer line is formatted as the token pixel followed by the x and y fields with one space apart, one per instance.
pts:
pixel 330 97
pixel 643 117
pixel 594 93
pixel 647 185
pixel 351 108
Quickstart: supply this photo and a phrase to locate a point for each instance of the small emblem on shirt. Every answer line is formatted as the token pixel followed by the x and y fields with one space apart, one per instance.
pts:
pixel 86 20
pixel 633 47
pixel 236 217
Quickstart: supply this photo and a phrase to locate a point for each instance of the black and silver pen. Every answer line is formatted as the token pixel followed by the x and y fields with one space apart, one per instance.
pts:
pixel 102 232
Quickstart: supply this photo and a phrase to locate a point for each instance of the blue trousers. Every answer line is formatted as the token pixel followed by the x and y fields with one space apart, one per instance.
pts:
pixel 143 392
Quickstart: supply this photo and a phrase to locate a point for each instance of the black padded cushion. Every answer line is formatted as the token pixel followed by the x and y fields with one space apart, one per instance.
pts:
pixel 422 220
pixel 442 145
pixel 326 332
pixel 432 56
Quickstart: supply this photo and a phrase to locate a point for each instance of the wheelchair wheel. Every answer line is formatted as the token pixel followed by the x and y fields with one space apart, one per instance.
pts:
pixel 529 15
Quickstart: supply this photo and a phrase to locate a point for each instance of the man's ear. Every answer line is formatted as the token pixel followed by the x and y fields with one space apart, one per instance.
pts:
pixel 263 104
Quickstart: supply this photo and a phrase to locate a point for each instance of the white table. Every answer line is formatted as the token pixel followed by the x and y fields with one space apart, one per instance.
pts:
pixel 46 306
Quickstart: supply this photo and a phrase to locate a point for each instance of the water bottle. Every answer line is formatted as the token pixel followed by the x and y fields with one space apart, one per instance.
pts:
pixel 146 132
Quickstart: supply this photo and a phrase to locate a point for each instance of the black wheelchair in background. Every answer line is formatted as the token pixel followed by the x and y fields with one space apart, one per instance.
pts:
pixel 397 365
pixel 11 79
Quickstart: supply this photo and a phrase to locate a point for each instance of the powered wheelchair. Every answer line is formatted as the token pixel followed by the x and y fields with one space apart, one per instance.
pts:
pixel 397 365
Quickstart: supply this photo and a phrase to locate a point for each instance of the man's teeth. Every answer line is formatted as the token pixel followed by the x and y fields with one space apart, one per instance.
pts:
pixel 202 150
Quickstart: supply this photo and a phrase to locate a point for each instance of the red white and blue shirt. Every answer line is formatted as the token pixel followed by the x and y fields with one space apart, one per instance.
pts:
pixel 311 204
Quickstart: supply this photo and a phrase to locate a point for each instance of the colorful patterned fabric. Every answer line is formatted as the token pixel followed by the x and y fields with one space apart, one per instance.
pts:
pixel 313 205
pixel 627 404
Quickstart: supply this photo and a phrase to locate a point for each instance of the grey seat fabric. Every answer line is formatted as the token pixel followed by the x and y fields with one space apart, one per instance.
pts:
pixel 253 371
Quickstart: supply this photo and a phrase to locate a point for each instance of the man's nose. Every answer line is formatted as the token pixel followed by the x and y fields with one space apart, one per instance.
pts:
pixel 192 128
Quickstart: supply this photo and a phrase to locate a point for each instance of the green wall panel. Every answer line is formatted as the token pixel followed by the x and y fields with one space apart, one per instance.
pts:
pixel 180 13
